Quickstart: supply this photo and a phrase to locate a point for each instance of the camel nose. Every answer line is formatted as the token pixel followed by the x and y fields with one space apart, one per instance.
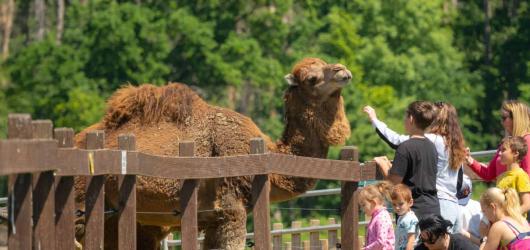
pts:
pixel 347 76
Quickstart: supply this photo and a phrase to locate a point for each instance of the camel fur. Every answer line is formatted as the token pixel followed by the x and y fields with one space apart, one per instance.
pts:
pixel 160 117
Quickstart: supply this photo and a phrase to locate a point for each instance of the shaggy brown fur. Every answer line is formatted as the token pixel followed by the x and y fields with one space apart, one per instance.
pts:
pixel 160 117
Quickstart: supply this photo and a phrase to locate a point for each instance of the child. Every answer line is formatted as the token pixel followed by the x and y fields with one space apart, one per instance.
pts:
pixel 509 229
pixel 406 226
pixel 379 232
pixel 470 212
pixel 415 160
pixel 513 150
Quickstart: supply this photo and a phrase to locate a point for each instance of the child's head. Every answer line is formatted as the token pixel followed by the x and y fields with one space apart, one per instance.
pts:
pixel 422 114
pixel 373 196
pixel 401 198
pixel 434 229
pixel 496 202
pixel 513 149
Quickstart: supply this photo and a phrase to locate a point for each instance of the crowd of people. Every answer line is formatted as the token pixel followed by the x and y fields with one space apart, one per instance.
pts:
pixel 430 194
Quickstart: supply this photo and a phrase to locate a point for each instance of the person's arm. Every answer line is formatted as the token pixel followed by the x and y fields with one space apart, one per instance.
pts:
pixel 487 173
pixel 385 165
pixel 470 237
pixel 411 241
pixel 388 135
pixel 494 237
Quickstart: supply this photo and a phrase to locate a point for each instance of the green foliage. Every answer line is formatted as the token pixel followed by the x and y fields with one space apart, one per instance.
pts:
pixel 235 53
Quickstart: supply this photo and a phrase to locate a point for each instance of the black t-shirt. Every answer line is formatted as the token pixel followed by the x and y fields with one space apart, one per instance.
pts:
pixel 457 242
pixel 415 161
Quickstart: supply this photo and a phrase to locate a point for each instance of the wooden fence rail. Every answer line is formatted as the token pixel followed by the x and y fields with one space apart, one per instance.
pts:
pixel 41 170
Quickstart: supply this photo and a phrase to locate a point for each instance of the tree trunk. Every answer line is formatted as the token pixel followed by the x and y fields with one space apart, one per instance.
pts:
pixel 7 13
pixel 60 21
pixel 40 17
pixel 487 33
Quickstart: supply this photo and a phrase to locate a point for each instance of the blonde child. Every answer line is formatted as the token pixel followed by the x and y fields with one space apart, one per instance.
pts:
pixel 509 229
pixel 407 224
pixel 512 151
pixel 379 232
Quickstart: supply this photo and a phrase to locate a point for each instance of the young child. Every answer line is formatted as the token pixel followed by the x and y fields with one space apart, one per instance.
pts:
pixel 406 227
pixel 415 160
pixel 379 232
pixel 513 150
pixel 470 212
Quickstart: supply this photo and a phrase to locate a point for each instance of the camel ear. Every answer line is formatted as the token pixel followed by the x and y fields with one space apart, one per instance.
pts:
pixel 290 80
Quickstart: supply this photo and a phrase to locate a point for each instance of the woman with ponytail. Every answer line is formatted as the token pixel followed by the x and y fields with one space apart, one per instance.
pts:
pixel 509 229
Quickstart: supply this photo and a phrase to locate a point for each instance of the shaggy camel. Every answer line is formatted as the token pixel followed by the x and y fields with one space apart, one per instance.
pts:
pixel 160 117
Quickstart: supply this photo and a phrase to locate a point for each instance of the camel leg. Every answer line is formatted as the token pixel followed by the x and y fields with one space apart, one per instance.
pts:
pixel 228 230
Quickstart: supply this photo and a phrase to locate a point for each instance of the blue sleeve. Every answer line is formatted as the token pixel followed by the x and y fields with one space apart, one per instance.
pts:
pixel 388 135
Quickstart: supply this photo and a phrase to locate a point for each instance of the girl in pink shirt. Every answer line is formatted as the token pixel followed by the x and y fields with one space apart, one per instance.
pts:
pixel 379 232
pixel 516 122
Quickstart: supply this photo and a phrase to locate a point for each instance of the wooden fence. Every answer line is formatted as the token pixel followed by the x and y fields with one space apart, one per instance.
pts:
pixel 41 163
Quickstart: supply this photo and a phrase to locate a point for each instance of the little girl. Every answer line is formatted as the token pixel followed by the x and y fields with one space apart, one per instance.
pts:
pixel 379 232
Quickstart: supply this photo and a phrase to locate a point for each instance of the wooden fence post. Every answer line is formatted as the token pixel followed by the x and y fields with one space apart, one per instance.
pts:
pixel 43 195
pixel 64 198
pixel 19 190
pixel 332 234
pixel 349 207
pixel 188 202
pixel 314 237
pixel 277 239
pixel 296 238
pixel 260 201
pixel 95 197
pixel 127 197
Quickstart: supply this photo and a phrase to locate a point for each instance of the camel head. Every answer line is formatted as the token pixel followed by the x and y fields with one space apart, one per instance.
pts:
pixel 318 79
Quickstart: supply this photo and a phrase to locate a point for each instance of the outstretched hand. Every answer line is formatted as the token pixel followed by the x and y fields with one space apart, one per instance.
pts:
pixel 370 112
pixel 384 164
pixel 469 159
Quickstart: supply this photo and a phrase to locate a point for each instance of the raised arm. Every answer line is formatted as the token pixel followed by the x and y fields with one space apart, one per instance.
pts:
pixel 388 135
pixel 489 172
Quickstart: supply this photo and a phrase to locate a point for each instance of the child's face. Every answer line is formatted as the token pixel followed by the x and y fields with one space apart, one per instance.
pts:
pixel 488 211
pixel 507 155
pixel 368 206
pixel 401 206
pixel 408 123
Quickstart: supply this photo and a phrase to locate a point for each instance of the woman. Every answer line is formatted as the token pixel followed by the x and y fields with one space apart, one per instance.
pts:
pixel 447 137
pixel 516 122
pixel 434 235
pixel 509 230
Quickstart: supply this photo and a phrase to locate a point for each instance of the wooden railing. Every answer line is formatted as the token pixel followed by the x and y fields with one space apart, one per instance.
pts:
pixel 41 163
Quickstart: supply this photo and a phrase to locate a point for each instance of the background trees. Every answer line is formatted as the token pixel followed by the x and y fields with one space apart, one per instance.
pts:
pixel 62 59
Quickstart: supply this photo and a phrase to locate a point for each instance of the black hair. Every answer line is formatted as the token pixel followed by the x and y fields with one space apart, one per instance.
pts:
pixel 434 226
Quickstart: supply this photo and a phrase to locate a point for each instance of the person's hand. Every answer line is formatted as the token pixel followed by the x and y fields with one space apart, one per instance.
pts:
pixel 469 159
pixel 370 112
pixel 383 163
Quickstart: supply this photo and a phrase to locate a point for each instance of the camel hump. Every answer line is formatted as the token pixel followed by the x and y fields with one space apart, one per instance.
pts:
pixel 148 103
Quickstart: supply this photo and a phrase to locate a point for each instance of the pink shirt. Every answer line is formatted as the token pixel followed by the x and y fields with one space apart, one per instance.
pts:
pixel 496 168
pixel 379 232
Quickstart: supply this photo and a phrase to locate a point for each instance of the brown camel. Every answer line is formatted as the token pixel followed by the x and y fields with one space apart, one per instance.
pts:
pixel 160 117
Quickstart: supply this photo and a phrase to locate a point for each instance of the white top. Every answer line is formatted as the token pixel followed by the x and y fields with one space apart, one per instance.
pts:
pixel 471 216
pixel 446 178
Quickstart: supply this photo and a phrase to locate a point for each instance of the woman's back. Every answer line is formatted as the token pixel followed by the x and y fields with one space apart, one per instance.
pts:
pixel 446 177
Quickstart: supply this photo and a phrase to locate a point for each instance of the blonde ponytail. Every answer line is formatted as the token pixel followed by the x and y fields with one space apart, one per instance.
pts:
pixel 512 205
pixel 507 200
